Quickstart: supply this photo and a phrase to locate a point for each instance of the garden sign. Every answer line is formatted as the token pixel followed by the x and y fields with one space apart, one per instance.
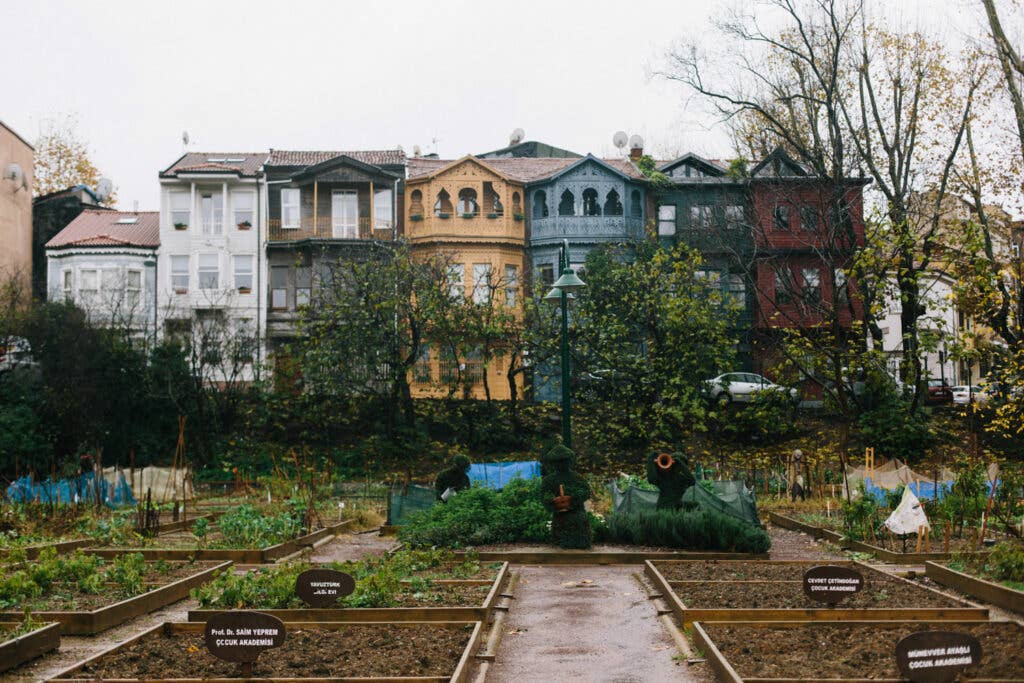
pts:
pixel 323 587
pixel 241 636
pixel 936 656
pixel 832 583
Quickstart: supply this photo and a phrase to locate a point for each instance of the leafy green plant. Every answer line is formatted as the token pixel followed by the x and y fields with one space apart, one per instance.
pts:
pixel 246 527
pixel 200 529
pixel 861 516
pixel 698 530
pixel 626 481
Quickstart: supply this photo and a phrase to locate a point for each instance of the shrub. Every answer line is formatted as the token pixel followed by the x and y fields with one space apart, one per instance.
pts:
pixel 245 527
pixel 480 516
pixel 698 530
pixel 1006 562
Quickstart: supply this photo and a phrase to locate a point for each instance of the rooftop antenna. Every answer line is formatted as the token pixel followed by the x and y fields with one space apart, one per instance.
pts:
pixel 184 139
pixel 435 141
pixel 620 139
pixel 517 136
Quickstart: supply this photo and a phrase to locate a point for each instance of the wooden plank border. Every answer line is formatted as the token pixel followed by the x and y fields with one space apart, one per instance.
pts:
pixel 461 673
pixel 981 589
pixel 17 651
pixel 381 614
pixel 908 558
pixel 82 623
pixel 817 532
pixel 689 615
pixel 725 671
pixel 266 555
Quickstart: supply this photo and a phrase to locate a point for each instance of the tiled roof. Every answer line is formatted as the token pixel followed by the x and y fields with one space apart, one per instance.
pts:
pixel 378 157
pixel 523 169
pixel 101 228
pixel 217 162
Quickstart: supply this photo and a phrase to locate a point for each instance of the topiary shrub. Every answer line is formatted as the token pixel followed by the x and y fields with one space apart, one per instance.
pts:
pixel 697 530
pixel 479 516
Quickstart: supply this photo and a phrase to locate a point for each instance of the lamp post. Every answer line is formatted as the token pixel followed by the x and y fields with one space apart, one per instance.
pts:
pixel 560 293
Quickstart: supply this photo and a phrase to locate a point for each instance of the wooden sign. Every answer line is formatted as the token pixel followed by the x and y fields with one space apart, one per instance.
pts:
pixel 323 587
pixel 242 636
pixel 936 656
pixel 831 583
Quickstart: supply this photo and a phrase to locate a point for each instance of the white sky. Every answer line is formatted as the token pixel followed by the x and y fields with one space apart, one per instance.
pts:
pixel 247 76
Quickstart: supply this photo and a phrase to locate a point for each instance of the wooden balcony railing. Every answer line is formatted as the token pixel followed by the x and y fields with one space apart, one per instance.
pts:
pixel 327 227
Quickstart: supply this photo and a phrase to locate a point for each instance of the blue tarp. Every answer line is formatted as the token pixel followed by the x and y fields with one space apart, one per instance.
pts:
pixel 25 490
pixel 924 490
pixel 495 475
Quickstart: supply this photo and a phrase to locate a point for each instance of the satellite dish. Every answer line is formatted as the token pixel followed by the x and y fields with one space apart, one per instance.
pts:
pixel 619 139
pixel 14 173
pixel 103 188
pixel 517 136
pixel 636 142
pixel 184 137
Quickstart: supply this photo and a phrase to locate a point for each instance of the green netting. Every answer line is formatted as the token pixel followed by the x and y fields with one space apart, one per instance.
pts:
pixel 730 497
pixel 413 499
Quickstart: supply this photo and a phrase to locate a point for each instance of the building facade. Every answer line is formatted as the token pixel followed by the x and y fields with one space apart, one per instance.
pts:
pixel 323 209
pixel 105 262
pixel 51 213
pixel 16 163
pixel 208 289
pixel 470 212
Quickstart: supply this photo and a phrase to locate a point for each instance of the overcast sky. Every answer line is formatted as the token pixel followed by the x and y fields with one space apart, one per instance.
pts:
pixel 247 76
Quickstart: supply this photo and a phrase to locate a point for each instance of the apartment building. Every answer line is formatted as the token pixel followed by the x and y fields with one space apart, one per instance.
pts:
pixel 16 160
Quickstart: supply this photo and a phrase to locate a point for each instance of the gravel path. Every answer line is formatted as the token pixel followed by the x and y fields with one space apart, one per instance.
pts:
pixel 562 629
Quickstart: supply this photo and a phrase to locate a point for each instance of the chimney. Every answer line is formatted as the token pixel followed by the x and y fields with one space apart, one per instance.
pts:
pixel 635 153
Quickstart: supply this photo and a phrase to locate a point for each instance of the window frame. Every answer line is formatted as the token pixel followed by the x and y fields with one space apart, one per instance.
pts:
pixel 278 289
pixel 174 211
pixel 236 210
pixel 511 285
pixel 288 223
pixel 88 296
pixel 236 272
pixel 482 272
pixel 781 220
pixel 457 286
pixel 133 294
pixel 202 270
pixel 186 274
pixel 663 220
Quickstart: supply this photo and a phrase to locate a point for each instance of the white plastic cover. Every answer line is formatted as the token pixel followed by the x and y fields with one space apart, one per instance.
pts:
pixel 908 516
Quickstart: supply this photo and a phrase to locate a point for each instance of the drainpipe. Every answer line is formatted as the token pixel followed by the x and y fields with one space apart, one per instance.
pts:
pixel 260 260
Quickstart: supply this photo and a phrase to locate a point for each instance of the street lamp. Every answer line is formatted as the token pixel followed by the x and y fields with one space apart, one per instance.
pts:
pixel 561 293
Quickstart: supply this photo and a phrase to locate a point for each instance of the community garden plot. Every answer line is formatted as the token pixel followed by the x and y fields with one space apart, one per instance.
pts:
pixel 446 591
pixel 87 594
pixel 846 651
pixel 413 651
pixel 20 643
pixel 774 591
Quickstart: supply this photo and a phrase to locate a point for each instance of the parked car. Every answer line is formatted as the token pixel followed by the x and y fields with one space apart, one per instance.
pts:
pixel 15 352
pixel 964 394
pixel 939 391
pixel 742 386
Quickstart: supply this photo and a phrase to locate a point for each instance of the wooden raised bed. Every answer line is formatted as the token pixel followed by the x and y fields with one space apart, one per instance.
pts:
pixel 727 672
pixel 599 557
pixel 266 555
pixel 688 615
pixel 898 557
pixel 87 623
pixel 32 551
pixel 17 651
pixel 460 674
pixel 817 532
pixel 387 614
pixel 989 591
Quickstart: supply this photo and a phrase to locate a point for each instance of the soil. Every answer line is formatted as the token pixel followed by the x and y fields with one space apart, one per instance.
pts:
pixel 967 542
pixel 346 547
pixel 446 595
pixel 796 545
pixel 853 651
pixel 487 572
pixel 353 650
pixel 712 570
pixel 881 592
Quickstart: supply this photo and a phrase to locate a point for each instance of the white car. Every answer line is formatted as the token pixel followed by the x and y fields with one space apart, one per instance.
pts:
pixel 741 387
pixel 963 394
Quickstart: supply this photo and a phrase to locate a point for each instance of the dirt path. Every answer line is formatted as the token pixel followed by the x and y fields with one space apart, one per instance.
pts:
pixel 796 545
pixel 560 629
pixel 353 547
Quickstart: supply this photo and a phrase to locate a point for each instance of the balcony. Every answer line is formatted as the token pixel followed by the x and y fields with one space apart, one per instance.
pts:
pixel 586 228
pixel 325 227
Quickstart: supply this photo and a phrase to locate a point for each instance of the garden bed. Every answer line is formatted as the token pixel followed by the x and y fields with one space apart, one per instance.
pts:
pixel 15 651
pixel 415 651
pixel 844 651
pixel 89 612
pixel 265 555
pixel 976 587
pixel 619 555
pixel 453 600
pixel 793 523
pixel 777 595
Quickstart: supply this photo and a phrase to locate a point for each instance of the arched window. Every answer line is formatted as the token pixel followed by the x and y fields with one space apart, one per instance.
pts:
pixel 567 204
pixel 416 203
pixel 496 206
pixel 467 202
pixel 591 207
pixel 540 204
pixel 443 206
pixel 517 207
pixel 612 204
pixel 636 209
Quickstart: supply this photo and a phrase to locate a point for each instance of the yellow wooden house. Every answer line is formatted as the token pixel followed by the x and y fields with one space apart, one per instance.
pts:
pixel 471 212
